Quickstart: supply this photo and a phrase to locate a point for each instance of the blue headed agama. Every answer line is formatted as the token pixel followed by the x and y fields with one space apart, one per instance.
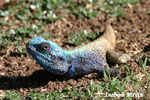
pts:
pixel 90 58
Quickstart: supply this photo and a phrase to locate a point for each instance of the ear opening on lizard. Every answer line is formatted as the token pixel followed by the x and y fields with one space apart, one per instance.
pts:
pixel 59 58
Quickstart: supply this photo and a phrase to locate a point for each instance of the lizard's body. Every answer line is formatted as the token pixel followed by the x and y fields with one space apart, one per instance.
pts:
pixel 84 60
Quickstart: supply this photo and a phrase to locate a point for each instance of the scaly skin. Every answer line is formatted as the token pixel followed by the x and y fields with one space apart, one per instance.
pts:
pixel 84 60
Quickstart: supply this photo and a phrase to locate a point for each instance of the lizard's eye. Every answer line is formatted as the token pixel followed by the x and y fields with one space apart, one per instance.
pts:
pixel 59 58
pixel 45 46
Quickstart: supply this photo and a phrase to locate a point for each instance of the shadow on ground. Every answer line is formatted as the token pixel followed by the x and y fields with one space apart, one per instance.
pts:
pixel 37 79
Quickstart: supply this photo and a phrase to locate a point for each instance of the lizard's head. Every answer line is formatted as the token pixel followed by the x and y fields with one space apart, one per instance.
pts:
pixel 48 54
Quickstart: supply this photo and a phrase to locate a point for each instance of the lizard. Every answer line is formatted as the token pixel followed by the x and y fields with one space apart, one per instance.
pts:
pixel 91 58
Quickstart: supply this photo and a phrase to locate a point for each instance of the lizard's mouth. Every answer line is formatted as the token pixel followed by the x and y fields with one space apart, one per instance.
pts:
pixel 35 54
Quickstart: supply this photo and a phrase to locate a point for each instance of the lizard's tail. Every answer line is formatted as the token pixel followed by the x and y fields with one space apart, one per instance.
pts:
pixel 109 35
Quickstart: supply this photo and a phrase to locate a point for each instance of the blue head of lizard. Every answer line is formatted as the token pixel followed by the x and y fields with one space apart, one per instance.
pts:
pixel 48 54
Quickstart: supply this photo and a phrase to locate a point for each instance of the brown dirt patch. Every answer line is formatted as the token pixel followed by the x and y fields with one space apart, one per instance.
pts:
pixel 21 73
